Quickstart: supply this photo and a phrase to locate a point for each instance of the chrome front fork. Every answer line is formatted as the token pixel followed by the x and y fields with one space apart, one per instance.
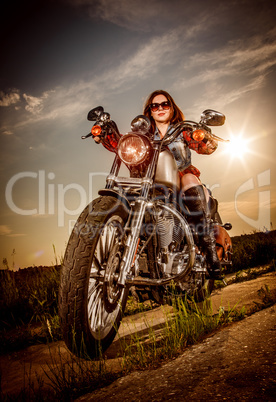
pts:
pixel 132 240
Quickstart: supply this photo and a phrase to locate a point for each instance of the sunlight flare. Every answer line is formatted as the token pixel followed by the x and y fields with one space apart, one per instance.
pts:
pixel 237 147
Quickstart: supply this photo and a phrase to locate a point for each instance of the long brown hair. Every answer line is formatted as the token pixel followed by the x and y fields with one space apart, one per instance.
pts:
pixel 177 113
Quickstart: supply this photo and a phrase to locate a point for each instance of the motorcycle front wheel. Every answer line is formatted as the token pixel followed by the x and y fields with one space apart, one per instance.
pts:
pixel 91 305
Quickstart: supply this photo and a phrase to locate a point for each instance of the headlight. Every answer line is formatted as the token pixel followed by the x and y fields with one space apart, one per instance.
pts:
pixel 133 149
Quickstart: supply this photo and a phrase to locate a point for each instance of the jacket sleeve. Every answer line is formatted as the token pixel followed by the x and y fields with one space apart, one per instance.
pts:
pixel 206 146
pixel 110 142
pixel 110 139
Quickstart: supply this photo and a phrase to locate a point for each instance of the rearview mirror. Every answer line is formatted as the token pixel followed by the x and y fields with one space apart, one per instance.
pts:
pixel 212 118
pixel 95 113
pixel 140 123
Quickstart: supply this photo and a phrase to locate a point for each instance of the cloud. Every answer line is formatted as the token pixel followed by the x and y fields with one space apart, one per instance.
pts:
pixel 71 100
pixel 224 74
pixel 250 57
pixel 159 15
pixel 231 71
pixel 142 15
pixel 147 60
pixel 34 104
pixel 40 147
pixel 4 230
pixel 17 235
pixel 9 98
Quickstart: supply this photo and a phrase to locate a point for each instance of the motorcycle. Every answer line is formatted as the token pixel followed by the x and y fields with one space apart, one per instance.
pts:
pixel 137 236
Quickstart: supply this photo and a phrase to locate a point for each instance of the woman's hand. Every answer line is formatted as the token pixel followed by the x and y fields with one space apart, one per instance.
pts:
pixel 97 140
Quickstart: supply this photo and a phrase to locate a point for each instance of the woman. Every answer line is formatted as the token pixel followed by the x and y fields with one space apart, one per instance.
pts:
pixel 162 111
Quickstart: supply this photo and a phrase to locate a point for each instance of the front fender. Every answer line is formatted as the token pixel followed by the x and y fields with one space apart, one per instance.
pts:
pixel 117 195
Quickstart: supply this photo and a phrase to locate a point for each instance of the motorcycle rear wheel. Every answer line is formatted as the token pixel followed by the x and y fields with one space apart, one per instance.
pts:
pixel 89 321
pixel 203 290
pixel 198 289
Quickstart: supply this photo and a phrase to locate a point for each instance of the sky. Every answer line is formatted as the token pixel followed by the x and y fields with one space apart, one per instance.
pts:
pixel 61 58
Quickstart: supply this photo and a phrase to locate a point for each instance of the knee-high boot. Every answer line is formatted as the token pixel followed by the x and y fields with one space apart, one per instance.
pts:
pixel 196 202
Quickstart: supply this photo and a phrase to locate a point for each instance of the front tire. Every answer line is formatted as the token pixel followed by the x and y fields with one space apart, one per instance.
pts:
pixel 90 306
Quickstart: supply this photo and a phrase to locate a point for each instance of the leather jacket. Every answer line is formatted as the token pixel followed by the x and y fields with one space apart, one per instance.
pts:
pixel 182 145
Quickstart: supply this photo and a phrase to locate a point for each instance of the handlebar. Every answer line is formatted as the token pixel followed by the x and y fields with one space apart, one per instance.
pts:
pixel 188 125
pixel 109 127
pixel 83 137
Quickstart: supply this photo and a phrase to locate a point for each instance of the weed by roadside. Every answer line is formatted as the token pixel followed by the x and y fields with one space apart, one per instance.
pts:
pixel 268 298
pixel 253 273
pixel 247 274
pixel 28 307
pixel 75 376
pixel 134 306
pixel 28 304
pixel 28 297
pixel 187 324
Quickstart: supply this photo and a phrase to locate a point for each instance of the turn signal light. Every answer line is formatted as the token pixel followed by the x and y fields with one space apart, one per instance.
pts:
pixel 198 135
pixel 96 130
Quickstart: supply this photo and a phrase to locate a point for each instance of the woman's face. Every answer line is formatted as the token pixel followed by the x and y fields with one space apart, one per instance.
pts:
pixel 161 115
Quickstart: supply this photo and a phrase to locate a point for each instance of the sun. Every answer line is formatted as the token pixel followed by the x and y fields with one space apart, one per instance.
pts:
pixel 237 147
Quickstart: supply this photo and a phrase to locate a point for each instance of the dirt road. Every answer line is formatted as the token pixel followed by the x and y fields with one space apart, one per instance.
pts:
pixel 236 363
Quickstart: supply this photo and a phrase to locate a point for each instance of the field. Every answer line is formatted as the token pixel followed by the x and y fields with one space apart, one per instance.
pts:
pixel 28 303
pixel 28 297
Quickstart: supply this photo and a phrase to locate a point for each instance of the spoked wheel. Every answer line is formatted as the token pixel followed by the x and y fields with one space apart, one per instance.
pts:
pixel 91 303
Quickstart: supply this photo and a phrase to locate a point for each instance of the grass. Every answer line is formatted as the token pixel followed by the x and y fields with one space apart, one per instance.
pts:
pixel 28 305
pixel 28 297
pixel 248 274
pixel 252 273
pixel 28 301
pixel 268 299
pixel 134 306
pixel 75 376
pixel 186 325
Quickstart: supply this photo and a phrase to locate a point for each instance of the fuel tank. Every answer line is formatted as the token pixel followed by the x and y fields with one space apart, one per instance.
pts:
pixel 166 172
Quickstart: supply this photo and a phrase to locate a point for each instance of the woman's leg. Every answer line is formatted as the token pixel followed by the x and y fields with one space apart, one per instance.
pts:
pixel 196 199
pixel 190 180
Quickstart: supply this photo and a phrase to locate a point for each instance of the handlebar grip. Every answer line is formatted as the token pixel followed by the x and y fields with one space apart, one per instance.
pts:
pixel 83 137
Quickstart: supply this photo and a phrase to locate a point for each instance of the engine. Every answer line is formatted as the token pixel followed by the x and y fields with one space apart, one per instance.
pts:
pixel 170 235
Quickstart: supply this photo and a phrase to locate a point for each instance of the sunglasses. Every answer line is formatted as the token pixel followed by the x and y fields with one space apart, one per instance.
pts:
pixel 155 106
